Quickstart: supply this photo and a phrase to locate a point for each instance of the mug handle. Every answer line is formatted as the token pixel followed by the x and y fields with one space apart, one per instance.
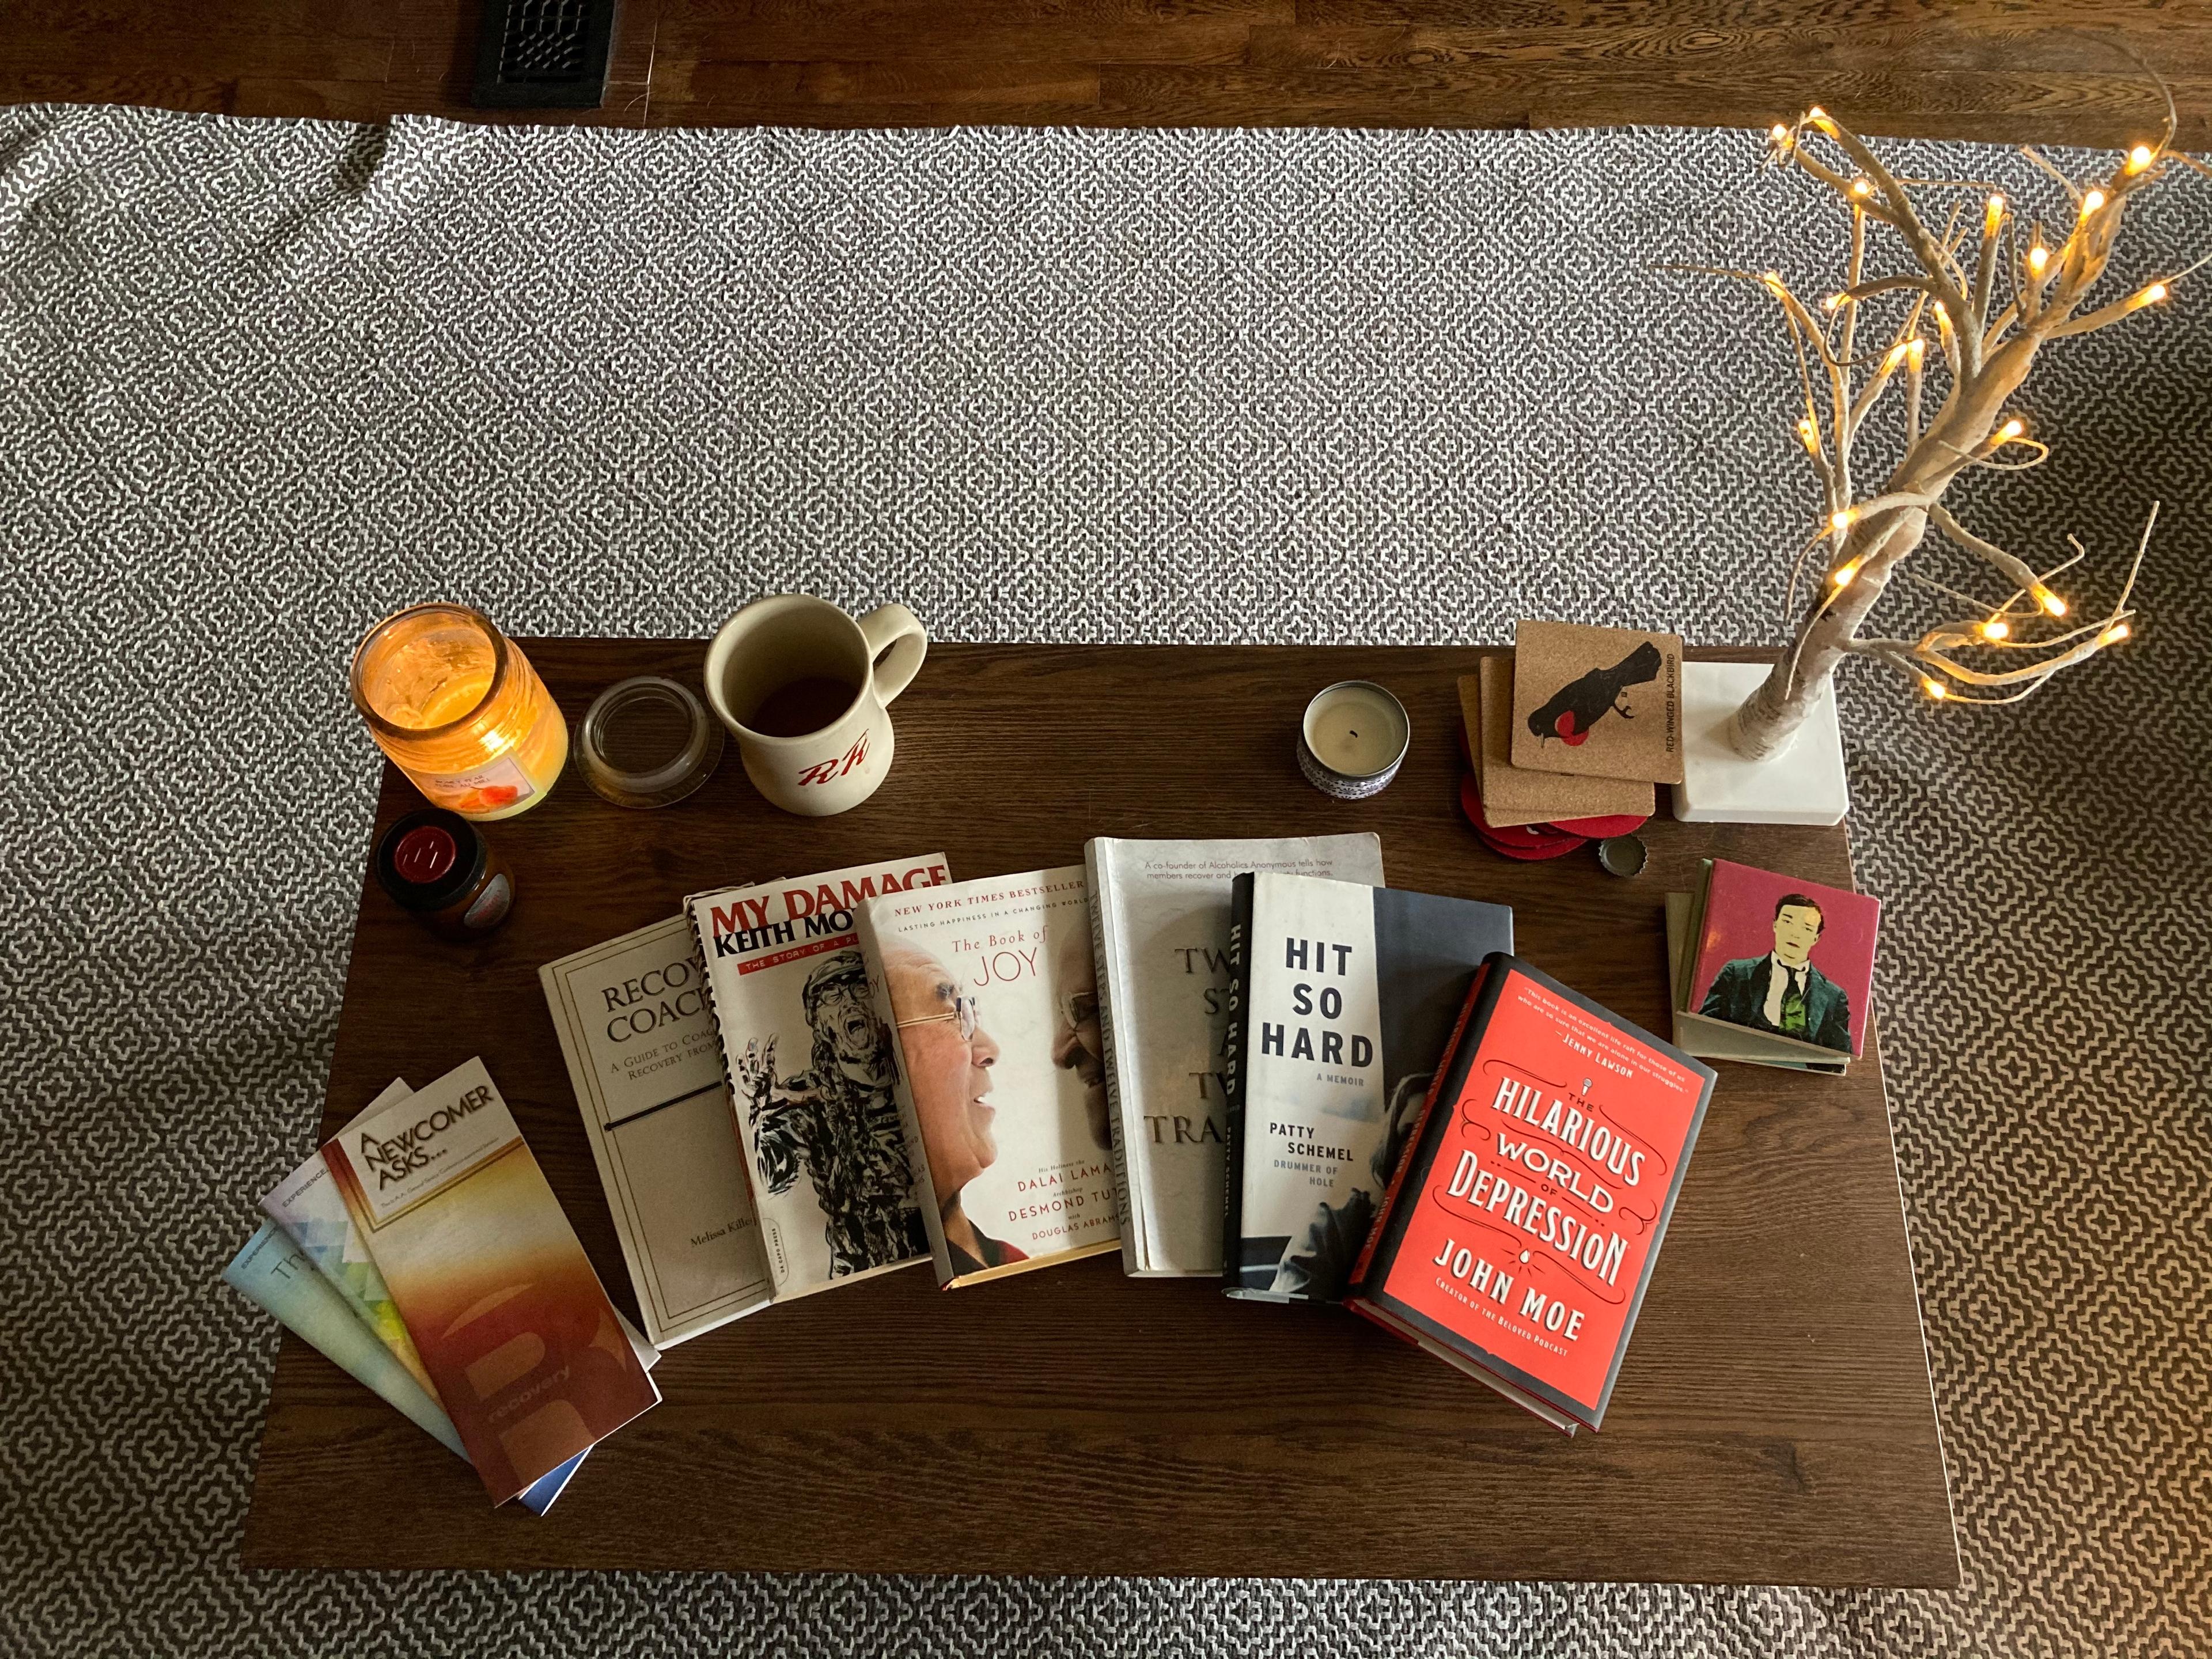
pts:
pixel 897 630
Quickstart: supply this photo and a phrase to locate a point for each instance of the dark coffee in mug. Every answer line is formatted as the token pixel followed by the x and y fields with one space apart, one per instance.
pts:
pixel 802 706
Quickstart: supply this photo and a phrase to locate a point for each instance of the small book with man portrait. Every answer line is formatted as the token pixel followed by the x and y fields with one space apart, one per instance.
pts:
pixel 809 1064
pixel 1776 970
pixel 990 993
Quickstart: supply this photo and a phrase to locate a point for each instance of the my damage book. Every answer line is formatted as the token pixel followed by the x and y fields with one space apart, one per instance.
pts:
pixel 809 1067
pixel 1524 1220
pixel 1344 998
pixel 990 989
pixel 1160 931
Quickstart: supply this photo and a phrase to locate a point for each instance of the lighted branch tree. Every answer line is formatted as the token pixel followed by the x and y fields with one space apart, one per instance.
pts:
pixel 1972 304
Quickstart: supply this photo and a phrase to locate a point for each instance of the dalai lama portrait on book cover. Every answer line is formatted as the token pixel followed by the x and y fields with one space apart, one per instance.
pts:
pixel 949 1058
pixel 1783 992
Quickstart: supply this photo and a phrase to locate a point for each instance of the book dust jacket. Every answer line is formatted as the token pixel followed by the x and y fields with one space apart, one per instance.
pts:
pixel 1522 1232
pixel 529 1358
pixel 993 990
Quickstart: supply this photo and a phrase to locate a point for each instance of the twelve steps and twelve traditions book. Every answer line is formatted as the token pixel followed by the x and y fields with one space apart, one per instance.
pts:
pixel 1159 916
pixel 1522 1223
pixel 1343 999
pixel 991 992
pixel 810 1064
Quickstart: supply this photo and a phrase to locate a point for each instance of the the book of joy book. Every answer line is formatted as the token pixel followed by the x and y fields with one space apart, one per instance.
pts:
pixel 990 990
pixel 1345 996
pixel 1522 1227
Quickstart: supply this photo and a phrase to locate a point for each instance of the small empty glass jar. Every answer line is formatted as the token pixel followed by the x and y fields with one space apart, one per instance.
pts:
pixel 646 742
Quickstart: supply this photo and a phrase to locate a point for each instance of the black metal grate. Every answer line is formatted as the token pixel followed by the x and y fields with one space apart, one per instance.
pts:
pixel 544 52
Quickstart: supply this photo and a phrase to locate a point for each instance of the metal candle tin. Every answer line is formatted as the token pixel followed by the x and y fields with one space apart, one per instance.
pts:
pixel 1352 740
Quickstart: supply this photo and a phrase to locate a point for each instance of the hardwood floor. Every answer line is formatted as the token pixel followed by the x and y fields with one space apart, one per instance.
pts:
pixel 2045 70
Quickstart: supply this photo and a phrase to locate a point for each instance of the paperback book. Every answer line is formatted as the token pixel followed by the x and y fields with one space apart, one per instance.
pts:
pixel 645 1062
pixel 990 990
pixel 1775 970
pixel 1343 999
pixel 1524 1223
pixel 809 1064
pixel 526 1354
pixel 1160 915
pixel 308 1206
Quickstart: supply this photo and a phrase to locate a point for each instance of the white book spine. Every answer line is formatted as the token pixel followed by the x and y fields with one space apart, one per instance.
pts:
pixel 1129 1193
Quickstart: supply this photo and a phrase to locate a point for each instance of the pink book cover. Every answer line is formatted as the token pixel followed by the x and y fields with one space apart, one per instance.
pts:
pixel 1785 956
pixel 529 1358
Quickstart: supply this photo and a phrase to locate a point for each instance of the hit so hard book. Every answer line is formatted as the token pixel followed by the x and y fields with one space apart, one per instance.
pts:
pixel 1524 1223
pixel 990 989
pixel 1345 997
pixel 1159 916
pixel 810 1066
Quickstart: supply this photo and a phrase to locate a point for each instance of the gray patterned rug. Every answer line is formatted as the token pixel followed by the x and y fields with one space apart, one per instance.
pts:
pixel 265 381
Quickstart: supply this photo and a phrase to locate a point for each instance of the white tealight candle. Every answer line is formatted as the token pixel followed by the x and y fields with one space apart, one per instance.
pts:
pixel 1354 736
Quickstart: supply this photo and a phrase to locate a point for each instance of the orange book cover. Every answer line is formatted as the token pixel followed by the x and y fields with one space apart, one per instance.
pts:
pixel 1521 1229
pixel 501 1303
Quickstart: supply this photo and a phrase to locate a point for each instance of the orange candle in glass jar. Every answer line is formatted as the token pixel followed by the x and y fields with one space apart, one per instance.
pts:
pixel 459 710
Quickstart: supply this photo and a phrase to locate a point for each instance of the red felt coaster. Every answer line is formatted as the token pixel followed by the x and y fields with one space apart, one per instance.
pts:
pixel 1520 841
pixel 1620 824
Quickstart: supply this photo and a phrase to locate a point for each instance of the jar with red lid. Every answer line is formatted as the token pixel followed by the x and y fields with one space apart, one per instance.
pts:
pixel 439 868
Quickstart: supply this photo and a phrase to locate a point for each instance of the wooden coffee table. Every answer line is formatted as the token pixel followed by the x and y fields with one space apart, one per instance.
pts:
pixel 1772 1421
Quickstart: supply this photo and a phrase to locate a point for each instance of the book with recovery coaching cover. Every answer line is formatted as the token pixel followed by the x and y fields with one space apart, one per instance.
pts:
pixel 990 988
pixel 645 1062
pixel 1523 1222
pixel 811 1069
pixel 1344 998
pixel 1160 917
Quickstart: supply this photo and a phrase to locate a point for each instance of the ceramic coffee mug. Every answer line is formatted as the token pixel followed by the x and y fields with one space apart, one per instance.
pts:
pixel 804 689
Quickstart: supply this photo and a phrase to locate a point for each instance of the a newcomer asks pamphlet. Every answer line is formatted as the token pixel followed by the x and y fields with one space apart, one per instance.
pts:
pixel 810 1067
pixel 527 1355
pixel 647 1066
pixel 1522 1226
pixel 990 988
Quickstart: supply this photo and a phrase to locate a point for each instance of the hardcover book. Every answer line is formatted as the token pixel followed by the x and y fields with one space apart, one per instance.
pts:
pixel 527 1355
pixel 308 1206
pixel 645 1062
pixel 989 989
pixel 1605 703
pixel 1525 1219
pixel 1159 919
pixel 1343 1000
pixel 1777 968
pixel 809 1067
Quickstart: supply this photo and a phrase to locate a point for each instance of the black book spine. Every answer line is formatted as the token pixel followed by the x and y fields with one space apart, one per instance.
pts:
pixel 1234 1074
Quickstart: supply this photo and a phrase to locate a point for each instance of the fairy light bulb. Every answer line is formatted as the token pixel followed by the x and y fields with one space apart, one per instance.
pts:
pixel 2154 295
pixel 2010 430
pixel 2038 258
pixel 2091 201
pixel 1997 628
pixel 1842 520
pixel 1809 434
pixel 1914 350
pixel 2113 635
pixel 2050 602
pixel 1861 187
pixel 1935 689
pixel 1993 216
pixel 1830 301
pixel 1779 134
pixel 2141 157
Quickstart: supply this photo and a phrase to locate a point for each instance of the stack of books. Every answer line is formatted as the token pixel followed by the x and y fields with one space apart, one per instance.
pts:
pixel 1567 736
